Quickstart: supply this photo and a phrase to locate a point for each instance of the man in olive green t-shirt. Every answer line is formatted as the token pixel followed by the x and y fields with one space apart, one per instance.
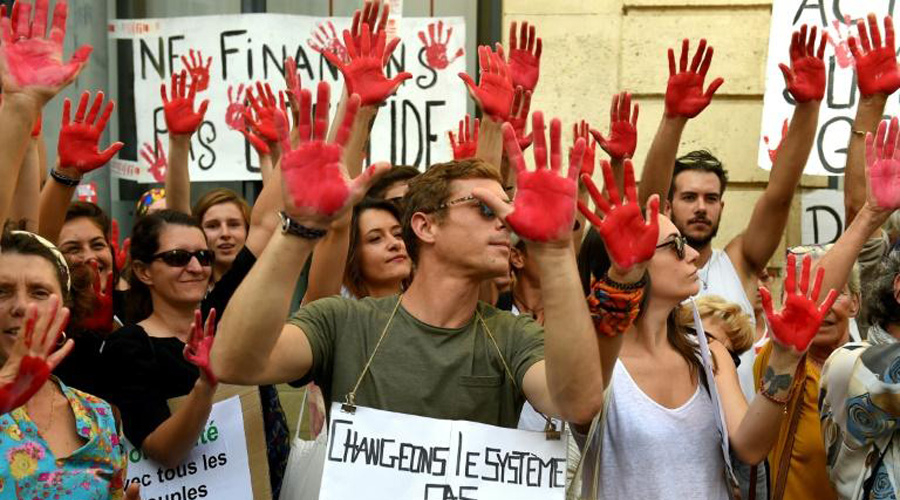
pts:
pixel 436 357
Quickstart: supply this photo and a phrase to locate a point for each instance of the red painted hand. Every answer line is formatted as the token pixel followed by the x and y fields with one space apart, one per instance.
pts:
pixel 684 93
pixel 199 72
pixel 364 74
pixel 181 119
pixel 33 356
pixel 374 20
pixel 265 108
pixel 518 118
pixel 622 140
pixel 120 255
pixel 326 40
pixel 582 131
pixel 876 64
pixel 544 209
pixel 805 79
pixel 32 61
pixel 101 318
pixel 78 140
pixel 524 57
pixel 629 239
pixel 234 113
pixel 883 166
pixel 798 321
pixel 436 48
pixel 199 345
pixel 468 140
pixel 315 186
pixel 494 93
pixel 157 161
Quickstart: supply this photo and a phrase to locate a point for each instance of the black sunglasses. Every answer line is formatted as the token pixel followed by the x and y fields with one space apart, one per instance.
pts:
pixel 181 258
pixel 677 242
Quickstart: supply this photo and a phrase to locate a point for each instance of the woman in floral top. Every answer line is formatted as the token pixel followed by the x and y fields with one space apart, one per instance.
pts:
pixel 60 443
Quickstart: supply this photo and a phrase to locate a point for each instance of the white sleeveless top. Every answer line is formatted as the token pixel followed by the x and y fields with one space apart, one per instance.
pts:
pixel 650 451
pixel 719 277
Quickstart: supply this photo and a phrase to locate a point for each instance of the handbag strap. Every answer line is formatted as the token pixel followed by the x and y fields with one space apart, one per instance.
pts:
pixel 784 465
pixel 597 424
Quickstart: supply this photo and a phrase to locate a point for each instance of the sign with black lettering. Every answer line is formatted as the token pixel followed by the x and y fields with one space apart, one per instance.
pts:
pixel 380 455
pixel 823 216
pixel 838 19
pixel 217 468
pixel 411 127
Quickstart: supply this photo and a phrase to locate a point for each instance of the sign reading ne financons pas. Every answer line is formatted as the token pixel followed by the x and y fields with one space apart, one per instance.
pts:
pixel 411 127
pixel 380 455
pixel 838 19
pixel 217 468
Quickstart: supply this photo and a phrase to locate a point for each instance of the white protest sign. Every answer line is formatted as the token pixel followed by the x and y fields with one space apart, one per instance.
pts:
pixel 217 467
pixel 823 216
pixel 838 18
pixel 411 128
pixel 380 455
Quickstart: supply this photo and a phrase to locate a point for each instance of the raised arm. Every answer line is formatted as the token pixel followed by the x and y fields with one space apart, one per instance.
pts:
pixel 254 346
pixel 685 99
pixel 31 73
pixel 77 154
pixel 28 188
pixel 878 77
pixel 182 121
pixel 622 141
pixel 805 80
pixel 753 428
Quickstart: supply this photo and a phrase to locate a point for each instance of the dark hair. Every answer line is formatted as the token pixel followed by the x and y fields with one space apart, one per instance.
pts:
pixel 144 245
pixel 88 210
pixel 594 261
pixel 883 308
pixel 430 190
pixel 397 173
pixel 699 161
pixel 353 276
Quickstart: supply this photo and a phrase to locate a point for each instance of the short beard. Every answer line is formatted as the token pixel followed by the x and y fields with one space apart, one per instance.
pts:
pixel 702 242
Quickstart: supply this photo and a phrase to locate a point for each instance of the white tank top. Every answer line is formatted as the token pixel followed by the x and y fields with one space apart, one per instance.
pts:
pixel 650 451
pixel 719 277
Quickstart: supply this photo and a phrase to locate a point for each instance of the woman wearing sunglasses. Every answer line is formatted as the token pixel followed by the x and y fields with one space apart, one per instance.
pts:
pixel 662 402
pixel 171 268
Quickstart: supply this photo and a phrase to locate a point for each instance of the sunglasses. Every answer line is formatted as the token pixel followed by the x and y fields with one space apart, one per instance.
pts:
pixel 677 242
pixel 816 250
pixel 483 209
pixel 181 258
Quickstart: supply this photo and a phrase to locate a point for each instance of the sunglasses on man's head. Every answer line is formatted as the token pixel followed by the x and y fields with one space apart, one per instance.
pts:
pixel 181 258
pixel 677 243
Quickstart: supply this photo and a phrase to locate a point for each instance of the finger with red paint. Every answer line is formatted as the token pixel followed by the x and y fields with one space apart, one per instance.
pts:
pixel 181 119
pixel 494 92
pixel 684 93
pixel 34 355
pixel 262 113
pixel 876 62
pixel 364 73
pixel 883 166
pixel 31 58
pixel 622 140
pixel 805 78
pixel 524 56
pixel 544 209
pixel 199 345
pixel 630 239
pixel 101 318
pixel 518 118
pixel 468 139
pixel 198 71
pixel 315 185
pixel 583 131
pixel 798 321
pixel 79 138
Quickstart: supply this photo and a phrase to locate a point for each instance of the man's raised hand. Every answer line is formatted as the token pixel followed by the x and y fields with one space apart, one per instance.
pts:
pixel 684 94
pixel 622 140
pixel 805 78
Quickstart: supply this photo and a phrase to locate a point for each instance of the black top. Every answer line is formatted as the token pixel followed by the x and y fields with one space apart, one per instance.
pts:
pixel 226 286
pixel 83 367
pixel 143 373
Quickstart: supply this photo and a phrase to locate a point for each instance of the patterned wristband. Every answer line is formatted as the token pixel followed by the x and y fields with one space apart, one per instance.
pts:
pixel 613 309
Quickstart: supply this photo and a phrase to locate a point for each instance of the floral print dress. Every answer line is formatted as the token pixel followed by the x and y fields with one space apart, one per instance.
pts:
pixel 96 470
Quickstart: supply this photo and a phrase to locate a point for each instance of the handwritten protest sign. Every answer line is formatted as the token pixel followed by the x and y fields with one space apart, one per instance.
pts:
pixel 823 216
pixel 227 462
pixel 838 18
pixel 380 455
pixel 410 129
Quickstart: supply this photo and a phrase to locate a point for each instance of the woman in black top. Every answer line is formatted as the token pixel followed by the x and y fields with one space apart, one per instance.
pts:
pixel 171 268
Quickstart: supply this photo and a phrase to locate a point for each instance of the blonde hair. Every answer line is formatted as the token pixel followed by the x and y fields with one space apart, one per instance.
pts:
pixel 736 322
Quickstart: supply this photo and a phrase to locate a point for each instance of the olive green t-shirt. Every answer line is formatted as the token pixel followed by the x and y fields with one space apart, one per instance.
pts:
pixel 419 369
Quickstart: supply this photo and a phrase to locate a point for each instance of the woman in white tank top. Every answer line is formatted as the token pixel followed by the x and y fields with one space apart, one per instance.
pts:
pixel 660 437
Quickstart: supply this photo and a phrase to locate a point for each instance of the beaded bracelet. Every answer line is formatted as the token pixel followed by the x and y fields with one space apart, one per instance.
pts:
pixel 612 308
pixel 65 180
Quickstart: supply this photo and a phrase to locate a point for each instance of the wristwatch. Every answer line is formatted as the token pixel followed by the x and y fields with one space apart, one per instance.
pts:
pixel 294 228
